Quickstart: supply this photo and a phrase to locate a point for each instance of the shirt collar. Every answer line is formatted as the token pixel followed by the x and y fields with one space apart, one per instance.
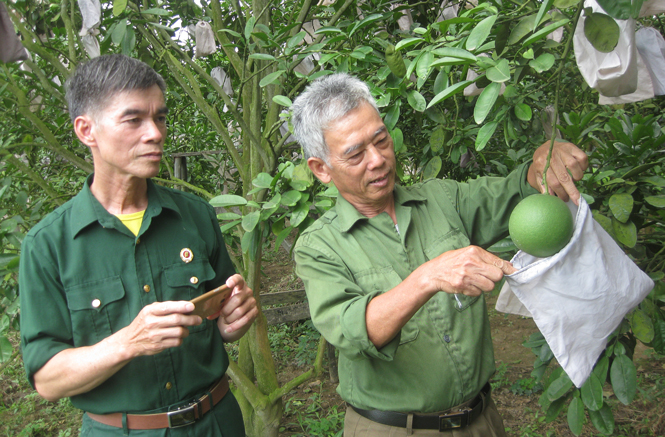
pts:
pixel 348 214
pixel 86 209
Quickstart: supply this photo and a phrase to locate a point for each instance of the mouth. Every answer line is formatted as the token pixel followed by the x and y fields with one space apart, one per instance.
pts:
pixel 380 181
pixel 155 156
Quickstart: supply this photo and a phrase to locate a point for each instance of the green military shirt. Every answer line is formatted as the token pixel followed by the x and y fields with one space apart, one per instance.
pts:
pixel 443 356
pixel 84 276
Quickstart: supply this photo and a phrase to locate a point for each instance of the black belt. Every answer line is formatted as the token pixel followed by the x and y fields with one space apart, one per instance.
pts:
pixel 464 416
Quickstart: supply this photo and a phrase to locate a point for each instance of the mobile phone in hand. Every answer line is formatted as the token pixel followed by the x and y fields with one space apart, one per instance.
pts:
pixel 210 302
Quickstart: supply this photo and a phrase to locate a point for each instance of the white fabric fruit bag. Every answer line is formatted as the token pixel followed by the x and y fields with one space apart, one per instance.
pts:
pixel 578 296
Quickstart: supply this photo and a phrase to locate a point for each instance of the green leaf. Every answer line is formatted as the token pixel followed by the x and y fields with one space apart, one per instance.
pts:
pixel 296 39
pixel 424 65
pixel 601 368
pixel 523 112
pixel 416 100
pixel 602 31
pixel 542 33
pixel 480 33
pixel 543 62
pixel 559 387
pixel 273 203
pixel 228 200
pixel 282 100
pixel 398 140
pixel 625 233
pixel 500 72
pixel 619 9
pixel 156 11
pixel 119 7
pixel 6 349
pixel 271 78
pixel 603 420
pixel 576 417
pixel 485 102
pixel 441 82
pixel 592 393
pixel 291 197
pixel 657 201
pixel 262 56
pixel 408 42
pixel 432 168
pixel 128 41
pixel 437 139
pixel 263 180
pixel 119 32
pixel 451 90
pixel 642 327
pixel 564 4
pixel 250 221
pixel 455 52
pixel 226 216
pixel 621 205
pixel 658 342
pixel 624 379
pixel 299 214
pixel 554 410
pixel 249 27
pixel 230 225
pixel 544 8
pixel 522 29
pixel 484 135
pixel 391 118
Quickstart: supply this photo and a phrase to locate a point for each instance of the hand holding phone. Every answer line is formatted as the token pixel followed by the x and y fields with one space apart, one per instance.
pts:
pixel 209 303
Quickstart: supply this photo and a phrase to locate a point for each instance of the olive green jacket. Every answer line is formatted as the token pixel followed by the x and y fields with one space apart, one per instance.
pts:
pixel 443 355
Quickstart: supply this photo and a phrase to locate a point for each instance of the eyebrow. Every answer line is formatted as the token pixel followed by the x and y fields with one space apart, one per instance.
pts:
pixel 131 111
pixel 355 147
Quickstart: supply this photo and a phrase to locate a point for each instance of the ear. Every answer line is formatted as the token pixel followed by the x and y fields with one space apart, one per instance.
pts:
pixel 320 169
pixel 84 127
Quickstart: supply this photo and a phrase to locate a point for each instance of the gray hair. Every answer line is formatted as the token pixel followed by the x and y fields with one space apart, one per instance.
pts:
pixel 88 90
pixel 325 100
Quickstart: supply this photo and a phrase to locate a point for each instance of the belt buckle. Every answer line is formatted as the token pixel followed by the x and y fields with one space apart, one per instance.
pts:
pixel 183 416
pixel 454 420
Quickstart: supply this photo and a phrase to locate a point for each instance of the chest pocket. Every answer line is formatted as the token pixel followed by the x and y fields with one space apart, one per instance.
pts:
pixel 187 281
pixel 384 279
pixel 451 240
pixel 97 309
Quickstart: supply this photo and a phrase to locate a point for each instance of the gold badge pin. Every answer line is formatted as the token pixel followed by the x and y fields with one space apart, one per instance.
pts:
pixel 186 255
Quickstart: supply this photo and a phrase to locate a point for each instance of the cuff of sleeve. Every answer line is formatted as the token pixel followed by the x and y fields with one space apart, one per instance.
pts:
pixel 38 353
pixel 526 189
pixel 354 328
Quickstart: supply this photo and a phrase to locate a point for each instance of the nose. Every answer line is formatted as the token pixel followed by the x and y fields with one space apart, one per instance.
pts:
pixel 155 130
pixel 376 158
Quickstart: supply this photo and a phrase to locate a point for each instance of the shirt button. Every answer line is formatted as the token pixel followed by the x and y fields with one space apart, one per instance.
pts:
pixel 96 303
pixel 446 338
pixel 194 280
pixel 168 386
pixel 146 288
pixel 138 240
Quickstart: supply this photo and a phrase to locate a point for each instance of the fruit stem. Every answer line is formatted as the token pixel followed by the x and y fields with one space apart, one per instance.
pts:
pixel 558 73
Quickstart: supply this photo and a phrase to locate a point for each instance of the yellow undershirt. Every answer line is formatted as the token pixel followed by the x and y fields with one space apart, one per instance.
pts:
pixel 132 221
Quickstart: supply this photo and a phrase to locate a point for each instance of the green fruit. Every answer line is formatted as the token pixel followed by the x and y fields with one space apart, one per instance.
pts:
pixel 541 225
pixel 395 62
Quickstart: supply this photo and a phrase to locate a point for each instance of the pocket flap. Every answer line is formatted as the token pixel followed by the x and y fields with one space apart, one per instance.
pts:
pixel 189 275
pixel 95 295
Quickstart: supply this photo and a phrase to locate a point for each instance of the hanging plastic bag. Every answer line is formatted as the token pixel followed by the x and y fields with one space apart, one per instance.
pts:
pixel 651 45
pixel 11 49
pixel 205 39
pixel 614 73
pixel 578 296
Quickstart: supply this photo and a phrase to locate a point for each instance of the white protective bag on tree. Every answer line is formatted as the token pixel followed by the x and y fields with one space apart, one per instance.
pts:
pixel 205 39
pixel 614 73
pixel 578 296
pixel 651 45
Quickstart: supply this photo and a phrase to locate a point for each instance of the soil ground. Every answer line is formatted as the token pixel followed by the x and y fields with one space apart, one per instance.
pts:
pixel 315 409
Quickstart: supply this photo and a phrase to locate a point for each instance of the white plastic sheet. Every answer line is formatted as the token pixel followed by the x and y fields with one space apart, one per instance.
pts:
pixel 205 39
pixel 614 73
pixel 651 45
pixel 578 296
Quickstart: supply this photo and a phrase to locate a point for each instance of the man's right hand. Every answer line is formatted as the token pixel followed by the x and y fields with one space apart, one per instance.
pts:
pixel 470 271
pixel 157 327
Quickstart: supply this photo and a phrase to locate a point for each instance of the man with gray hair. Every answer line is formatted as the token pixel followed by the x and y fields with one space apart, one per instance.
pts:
pixel 395 275
pixel 106 279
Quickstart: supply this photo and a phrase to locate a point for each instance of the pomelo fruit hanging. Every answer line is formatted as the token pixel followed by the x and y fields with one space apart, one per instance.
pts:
pixel 541 225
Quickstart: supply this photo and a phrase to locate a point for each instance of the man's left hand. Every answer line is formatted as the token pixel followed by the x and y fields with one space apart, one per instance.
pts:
pixel 567 165
pixel 238 311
